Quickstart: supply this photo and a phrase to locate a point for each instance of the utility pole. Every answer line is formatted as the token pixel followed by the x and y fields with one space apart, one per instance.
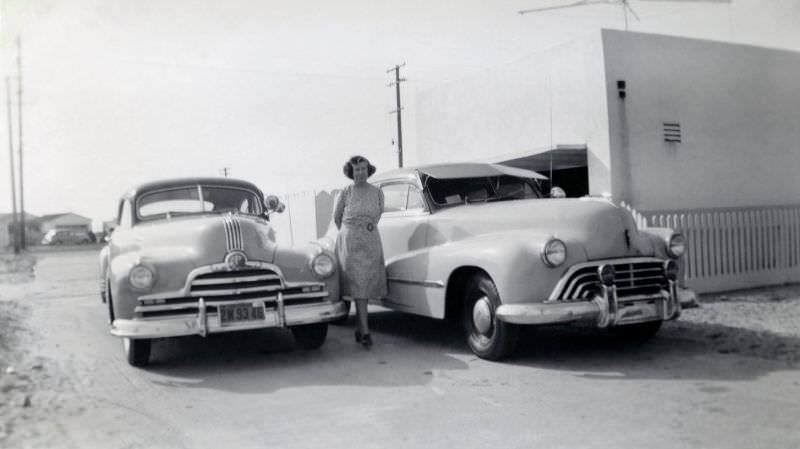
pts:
pixel 225 171
pixel 21 169
pixel 396 84
pixel 15 229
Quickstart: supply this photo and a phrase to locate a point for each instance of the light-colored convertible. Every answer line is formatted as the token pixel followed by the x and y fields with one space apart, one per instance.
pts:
pixel 482 243
pixel 198 256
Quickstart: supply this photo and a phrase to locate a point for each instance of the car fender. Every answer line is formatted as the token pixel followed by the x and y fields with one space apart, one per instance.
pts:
pixel 103 266
pixel 512 259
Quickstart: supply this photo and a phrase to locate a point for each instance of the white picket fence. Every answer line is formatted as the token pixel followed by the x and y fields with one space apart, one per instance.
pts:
pixel 735 248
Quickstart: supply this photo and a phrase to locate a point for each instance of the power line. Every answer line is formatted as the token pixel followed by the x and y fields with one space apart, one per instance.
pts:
pixel 396 84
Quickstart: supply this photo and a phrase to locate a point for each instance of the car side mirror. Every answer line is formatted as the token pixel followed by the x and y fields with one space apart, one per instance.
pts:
pixel 557 192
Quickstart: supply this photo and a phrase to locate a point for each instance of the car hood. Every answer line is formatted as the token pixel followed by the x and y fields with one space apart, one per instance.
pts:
pixel 203 240
pixel 601 228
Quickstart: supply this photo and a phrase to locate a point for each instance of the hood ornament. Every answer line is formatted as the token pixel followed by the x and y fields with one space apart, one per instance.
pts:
pixel 627 239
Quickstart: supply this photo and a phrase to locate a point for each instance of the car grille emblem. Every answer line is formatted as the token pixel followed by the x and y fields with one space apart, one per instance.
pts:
pixel 235 260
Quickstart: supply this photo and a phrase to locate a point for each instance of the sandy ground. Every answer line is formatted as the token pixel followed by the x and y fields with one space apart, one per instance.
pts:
pixel 725 375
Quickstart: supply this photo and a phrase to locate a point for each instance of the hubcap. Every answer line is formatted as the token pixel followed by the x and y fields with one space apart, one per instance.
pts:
pixel 482 315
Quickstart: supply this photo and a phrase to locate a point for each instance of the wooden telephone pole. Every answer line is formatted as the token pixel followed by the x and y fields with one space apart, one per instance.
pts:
pixel 21 169
pixel 14 226
pixel 396 84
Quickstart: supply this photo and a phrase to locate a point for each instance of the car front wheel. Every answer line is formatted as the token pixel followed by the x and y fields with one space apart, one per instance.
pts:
pixel 488 337
pixel 137 350
pixel 310 336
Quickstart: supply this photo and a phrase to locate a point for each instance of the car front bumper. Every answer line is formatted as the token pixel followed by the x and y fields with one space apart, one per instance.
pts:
pixel 604 309
pixel 204 323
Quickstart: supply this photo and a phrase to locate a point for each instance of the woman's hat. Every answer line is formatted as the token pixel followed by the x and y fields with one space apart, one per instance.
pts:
pixel 355 160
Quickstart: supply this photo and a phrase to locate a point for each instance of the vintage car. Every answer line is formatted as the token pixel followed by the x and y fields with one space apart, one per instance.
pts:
pixel 198 256
pixel 482 243
pixel 67 237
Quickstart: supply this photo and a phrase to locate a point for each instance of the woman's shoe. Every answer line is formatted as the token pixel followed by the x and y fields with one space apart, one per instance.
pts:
pixel 366 340
pixel 358 337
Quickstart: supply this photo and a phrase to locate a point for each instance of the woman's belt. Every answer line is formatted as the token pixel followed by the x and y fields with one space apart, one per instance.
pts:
pixel 360 225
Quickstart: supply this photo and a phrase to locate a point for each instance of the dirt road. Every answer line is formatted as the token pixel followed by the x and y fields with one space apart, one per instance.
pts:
pixel 725 376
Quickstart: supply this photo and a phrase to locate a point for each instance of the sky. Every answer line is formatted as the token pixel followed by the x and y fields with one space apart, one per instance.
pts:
pixel 280 93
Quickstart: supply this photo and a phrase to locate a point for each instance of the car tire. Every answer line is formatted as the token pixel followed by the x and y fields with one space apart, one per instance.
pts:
pixel 137 350
pixel 343 319
pixel 488 337
pixel 310 336
pixel 638 332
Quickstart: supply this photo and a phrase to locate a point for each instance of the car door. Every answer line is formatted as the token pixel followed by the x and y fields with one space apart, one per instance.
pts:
pixel 403 227
pixel 402 223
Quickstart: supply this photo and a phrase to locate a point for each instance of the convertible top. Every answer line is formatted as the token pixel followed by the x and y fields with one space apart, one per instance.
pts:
pixel 462 170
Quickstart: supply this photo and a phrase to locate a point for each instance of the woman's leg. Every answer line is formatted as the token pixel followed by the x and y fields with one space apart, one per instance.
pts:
pixel 362 324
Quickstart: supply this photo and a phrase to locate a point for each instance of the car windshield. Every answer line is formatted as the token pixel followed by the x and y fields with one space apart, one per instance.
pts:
pixel 445 192
pixel 187 200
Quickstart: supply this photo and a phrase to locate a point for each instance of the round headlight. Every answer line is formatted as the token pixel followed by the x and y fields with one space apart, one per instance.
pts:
pixel 323 265
pixel 554 252
pixel 671 270
pixel 607 274
pixel 676 245
pixel 141 277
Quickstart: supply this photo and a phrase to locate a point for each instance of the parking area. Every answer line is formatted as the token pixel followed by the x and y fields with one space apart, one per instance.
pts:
pixel 725 375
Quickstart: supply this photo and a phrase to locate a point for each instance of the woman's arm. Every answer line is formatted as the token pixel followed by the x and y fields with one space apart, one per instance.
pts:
pixel 380 205
pixel 338 208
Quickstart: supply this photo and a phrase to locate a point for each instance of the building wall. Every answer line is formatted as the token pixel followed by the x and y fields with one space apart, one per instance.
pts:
pixel 738 107
pixel 521 108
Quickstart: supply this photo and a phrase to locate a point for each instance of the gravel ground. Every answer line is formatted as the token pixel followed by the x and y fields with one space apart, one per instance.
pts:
pixel 762 322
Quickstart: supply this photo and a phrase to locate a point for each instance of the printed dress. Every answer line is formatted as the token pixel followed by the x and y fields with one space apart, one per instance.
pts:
pixel 358 245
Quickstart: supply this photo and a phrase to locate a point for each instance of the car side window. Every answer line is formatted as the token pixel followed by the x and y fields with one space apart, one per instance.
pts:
pixel 415 201
pixel 126 215
pixel 394 197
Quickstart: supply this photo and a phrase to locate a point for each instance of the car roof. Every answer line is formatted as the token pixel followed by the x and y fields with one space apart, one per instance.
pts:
pixel 458 170
pixel 182 182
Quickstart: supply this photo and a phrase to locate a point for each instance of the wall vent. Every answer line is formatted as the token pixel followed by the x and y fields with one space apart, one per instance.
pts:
pixel 672 132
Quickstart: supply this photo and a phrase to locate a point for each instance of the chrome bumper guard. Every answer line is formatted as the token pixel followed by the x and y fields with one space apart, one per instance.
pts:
pixel 605 308
pixel 204 323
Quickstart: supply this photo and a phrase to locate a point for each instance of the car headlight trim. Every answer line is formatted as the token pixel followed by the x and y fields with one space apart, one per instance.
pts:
pixel 676 245
pixel 554 252
pixel 141 277
pixel 323 265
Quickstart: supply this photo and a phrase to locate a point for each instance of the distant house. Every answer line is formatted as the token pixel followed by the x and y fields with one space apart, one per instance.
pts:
pixel 32 233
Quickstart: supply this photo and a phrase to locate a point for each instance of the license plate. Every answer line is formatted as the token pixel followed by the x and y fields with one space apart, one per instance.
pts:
pixel 637 312
pixel 236 313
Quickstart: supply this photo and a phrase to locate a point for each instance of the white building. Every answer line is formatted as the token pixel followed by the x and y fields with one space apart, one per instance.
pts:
pixel 698 135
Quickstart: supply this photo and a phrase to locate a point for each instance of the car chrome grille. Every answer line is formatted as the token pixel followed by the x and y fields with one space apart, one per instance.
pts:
pixel 234 283
pixel 636 278
pixel 228 286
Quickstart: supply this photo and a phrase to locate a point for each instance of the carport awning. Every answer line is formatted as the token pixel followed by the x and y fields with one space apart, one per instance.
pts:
pixel 563 157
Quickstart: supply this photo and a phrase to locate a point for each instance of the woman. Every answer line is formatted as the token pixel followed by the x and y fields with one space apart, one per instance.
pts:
pixel 356 214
